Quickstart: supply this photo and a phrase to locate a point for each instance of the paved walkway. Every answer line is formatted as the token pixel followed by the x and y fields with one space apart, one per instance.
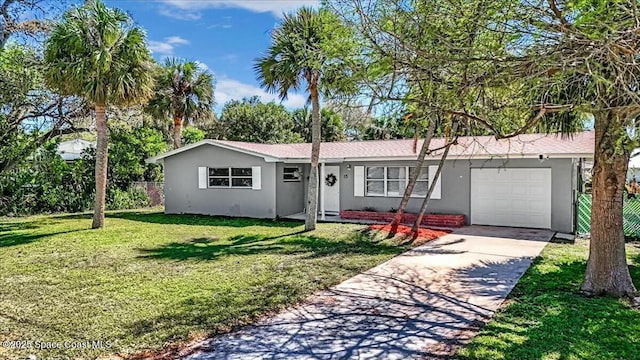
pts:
pixel 416 305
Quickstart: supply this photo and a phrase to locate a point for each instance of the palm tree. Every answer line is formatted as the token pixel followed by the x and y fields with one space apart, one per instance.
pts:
pixel 303 47
pixel 184 91
pixel 97 53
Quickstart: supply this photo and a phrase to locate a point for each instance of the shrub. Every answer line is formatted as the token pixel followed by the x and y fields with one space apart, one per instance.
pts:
pixel 45 183
pixel 191 135
pixel 118 199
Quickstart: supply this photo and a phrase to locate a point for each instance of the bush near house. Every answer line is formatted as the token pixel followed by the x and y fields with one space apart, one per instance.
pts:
pixel 47 184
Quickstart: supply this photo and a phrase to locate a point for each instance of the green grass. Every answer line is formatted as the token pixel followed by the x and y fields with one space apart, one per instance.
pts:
pixel 149 280
pixel 546 318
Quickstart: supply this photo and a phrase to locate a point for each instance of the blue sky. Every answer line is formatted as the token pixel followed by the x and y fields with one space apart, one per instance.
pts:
pixel 224 35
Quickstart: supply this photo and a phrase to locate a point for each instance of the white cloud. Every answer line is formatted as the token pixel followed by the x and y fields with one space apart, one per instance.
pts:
pixel 230 89
pixel 276 7
pixel 224 26
pixel 230 58
pixel 160 47
pixel 167 46
pixel 177 40
pixel 183 14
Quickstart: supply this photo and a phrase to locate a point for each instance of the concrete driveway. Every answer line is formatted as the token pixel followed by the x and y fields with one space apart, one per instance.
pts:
pixel 421 304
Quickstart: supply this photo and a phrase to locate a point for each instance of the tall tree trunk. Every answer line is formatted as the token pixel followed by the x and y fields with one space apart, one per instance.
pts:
pixel 607 269
pixel 102 156
pixel 413 178
pixel 432 186
pixel 177 131
pixel 312 193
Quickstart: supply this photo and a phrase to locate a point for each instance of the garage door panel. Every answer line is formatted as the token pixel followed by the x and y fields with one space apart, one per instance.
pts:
pixel 482 219
pixel 517 175
pixel 486 190
pixel 511 197
pixel 538 190
pixel 537 206
pixel 517 219
pixel 519 190
pixel 502 203
pixel 537 176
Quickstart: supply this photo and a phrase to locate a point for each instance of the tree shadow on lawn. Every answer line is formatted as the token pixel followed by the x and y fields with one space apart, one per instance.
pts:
pixel 286 244
pixel 17 226
pixel 345 321
pixel 188 219
pixel 546 316
pixel 16 237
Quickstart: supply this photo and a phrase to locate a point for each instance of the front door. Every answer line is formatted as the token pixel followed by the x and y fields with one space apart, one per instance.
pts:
pixel 331 188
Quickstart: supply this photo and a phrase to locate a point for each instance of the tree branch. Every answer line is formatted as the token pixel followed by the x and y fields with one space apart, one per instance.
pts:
pixel 543 110
pixel 558 14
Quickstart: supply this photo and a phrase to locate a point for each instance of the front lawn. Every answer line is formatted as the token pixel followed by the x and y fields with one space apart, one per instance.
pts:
pixel 149 280
pixel 546 318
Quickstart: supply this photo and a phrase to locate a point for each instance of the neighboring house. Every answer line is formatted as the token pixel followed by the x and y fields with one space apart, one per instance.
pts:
pixel 527 181
pixel 72 150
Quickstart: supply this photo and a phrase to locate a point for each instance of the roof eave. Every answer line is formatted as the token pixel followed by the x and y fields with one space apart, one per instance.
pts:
pixel 451 157
pixel 474 157
pixel 160 158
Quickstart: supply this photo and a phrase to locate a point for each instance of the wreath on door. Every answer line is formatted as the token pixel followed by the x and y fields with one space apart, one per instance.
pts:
pixel 330 180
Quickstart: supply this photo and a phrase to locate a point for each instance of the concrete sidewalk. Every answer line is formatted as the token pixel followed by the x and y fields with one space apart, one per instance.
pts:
pixel 416 305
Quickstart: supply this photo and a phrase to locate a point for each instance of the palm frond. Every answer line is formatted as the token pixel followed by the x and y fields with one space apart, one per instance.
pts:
pixel 184 89
pixel 299 48
pixel 95 52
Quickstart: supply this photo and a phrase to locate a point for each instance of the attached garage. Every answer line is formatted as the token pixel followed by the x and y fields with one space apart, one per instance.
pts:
pixel 511 197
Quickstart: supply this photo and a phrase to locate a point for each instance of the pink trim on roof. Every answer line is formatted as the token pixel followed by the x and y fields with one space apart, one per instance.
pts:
pixel 528 145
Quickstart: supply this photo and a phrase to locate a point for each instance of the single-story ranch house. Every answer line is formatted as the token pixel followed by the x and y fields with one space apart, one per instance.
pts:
pixel 527 181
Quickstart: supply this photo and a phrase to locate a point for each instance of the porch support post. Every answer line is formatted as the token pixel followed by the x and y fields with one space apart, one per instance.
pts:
pixel 322 190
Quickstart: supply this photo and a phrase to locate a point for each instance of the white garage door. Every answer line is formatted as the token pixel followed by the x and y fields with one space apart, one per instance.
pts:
pixel 511 197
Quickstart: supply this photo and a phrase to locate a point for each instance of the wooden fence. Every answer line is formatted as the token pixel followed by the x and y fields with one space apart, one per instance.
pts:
pixel 155 191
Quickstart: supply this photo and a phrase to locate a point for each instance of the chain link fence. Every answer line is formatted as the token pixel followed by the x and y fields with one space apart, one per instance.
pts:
pixel 631 216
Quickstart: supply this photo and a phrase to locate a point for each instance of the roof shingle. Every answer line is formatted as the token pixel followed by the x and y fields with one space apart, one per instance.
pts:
pixel 526 145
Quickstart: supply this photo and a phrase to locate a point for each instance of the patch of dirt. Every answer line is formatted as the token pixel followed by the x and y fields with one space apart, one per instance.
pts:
pixel 559 240
pixel 424 235
pixel 172 351
pixel 446 349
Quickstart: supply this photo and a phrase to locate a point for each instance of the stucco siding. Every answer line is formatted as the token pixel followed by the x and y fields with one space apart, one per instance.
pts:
pixel 290 196
pixel 280 198
pixel 450 199
pixel 182 195
pixel 456 188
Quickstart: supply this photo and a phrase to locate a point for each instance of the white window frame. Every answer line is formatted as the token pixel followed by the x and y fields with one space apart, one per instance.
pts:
pixel 367 179
pixel 386 180
pixel 229 177
pixel 284 172
pixel 419 180
pixel 399 180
